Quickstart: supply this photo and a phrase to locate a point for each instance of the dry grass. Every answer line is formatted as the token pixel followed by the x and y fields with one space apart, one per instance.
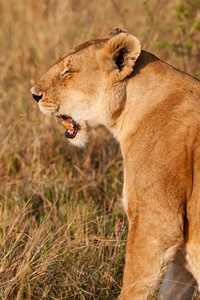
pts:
pixel 62 226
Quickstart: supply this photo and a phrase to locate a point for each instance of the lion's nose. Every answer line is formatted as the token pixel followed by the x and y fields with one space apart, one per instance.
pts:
pixel 36 95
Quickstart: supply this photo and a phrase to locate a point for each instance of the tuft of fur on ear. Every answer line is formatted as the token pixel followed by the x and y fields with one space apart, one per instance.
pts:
pixel 113 32
pixel 122 51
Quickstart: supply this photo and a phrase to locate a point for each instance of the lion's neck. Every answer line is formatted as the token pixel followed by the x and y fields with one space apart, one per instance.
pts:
pixel 149 87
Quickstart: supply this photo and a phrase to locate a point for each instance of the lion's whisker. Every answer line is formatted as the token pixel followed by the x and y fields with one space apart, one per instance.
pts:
pixel 54 116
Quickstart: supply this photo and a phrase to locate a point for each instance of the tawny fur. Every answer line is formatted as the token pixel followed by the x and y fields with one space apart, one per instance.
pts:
pixel 153 110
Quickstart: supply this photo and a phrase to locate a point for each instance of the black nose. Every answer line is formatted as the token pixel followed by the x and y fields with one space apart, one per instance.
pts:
pixel 37 97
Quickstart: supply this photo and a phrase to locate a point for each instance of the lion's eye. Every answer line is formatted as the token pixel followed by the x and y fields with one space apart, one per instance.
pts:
pixel 67 71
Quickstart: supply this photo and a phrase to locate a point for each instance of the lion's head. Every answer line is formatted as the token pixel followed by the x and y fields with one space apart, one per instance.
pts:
pixel 85 87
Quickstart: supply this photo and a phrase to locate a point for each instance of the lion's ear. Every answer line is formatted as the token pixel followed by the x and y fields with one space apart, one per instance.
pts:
pixel 114 31
pixel 122 52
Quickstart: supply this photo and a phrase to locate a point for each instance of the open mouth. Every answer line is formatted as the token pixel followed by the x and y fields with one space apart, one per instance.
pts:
pixel 71 125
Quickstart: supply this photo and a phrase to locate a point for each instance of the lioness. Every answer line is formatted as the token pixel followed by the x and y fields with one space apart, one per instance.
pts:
pixel 153 110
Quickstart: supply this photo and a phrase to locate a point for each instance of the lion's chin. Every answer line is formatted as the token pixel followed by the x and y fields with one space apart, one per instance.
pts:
pixel 80 140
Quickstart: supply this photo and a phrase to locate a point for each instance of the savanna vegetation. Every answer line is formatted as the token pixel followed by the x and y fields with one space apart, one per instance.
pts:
pixel 63 229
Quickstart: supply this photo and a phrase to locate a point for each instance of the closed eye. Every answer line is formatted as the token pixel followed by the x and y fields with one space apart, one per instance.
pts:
pixel 67 71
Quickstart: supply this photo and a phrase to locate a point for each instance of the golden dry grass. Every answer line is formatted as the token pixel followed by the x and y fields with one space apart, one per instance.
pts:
pixel 62 226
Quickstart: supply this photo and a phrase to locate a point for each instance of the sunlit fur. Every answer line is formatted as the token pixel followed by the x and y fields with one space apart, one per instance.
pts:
pixel 153 110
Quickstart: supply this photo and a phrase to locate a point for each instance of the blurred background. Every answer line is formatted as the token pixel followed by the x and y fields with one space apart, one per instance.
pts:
pixel 63 230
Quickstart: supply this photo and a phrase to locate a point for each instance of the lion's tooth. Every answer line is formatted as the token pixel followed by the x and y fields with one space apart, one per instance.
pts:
pixel 68 125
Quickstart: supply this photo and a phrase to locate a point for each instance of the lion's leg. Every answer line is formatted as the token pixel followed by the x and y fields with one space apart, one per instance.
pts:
pixel 150 249
pixel 192 236
pixel 178 283
pixel 193 258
